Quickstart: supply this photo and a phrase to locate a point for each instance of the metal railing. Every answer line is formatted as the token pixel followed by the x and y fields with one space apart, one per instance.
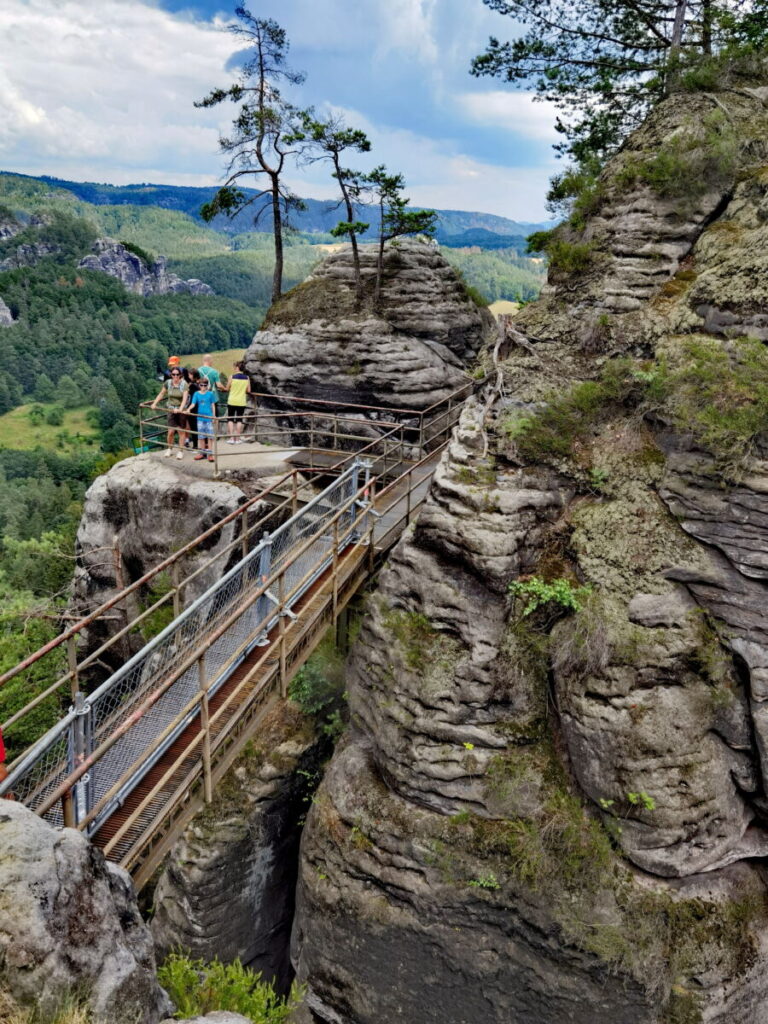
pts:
pixel 129 727
pixel 319 425
pixel 87 765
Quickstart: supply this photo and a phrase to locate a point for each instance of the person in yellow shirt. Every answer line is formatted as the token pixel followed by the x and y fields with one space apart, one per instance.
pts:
pixel 238 389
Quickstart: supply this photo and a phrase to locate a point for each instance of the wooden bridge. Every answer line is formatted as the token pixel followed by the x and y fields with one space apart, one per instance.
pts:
pixel 139 752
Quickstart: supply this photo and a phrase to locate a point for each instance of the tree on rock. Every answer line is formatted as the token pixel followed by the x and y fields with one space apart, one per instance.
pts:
pixel 604 63
pixel 395 218
pixel 260 143
pixel 329 139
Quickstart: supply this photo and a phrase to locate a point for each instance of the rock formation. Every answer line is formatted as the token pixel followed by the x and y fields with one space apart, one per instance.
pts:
pixel 71 926
pixel 227 888
pixel 412 351
pixel 111 257
pixel 134 517
pixel 551 804
pixel 6 317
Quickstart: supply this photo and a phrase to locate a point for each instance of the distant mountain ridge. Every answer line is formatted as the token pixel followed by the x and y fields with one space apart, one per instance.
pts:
pixel 455 227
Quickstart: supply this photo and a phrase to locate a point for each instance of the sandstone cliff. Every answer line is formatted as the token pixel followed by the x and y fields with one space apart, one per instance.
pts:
pixel 411 351
pixel 71 928
pixel 113 258
pixel 551 803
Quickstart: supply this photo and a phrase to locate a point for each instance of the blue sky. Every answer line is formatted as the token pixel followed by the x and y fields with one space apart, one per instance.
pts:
pixel 103 90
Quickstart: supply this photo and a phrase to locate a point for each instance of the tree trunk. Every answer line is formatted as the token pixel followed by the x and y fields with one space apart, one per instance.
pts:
pixel 677 28
pixel 706 26
pixel 379 261
pixel 352 234
pixel 277 226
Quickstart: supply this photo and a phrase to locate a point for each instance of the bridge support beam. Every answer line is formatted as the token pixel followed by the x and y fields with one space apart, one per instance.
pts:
pixel 205 723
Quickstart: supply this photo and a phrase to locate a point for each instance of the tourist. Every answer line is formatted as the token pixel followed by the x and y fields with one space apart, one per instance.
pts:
pixel 213 376
pixel 203 406
pixel 174 390
pixel 238 389
pixel 194 384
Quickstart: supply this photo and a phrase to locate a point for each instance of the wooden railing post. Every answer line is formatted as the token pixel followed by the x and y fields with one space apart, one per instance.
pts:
pixel 281 630
pixel 205 724
pixel 176 593
pixel 74 681
pixel 244 532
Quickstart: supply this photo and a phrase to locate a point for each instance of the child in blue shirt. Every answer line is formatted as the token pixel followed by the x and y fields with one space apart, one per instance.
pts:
pixel 204 405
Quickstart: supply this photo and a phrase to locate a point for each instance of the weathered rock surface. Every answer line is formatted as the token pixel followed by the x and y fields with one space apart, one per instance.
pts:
pixel 110 257
pixel 134 517
pixel 70 924
pixel 412 351
pixel 6 317
pixel 227 888
pixel 538 810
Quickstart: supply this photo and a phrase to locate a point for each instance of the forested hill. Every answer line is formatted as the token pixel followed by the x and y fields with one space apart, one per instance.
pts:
pixel 455 227
pixel 239 266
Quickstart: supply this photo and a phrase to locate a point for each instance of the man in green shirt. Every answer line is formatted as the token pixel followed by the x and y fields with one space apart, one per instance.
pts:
pixel 214 378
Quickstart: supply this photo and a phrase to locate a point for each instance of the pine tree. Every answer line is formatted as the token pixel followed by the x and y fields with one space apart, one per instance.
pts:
pixel 259 145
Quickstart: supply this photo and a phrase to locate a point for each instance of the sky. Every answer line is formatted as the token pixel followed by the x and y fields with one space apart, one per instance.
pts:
pixel 103 90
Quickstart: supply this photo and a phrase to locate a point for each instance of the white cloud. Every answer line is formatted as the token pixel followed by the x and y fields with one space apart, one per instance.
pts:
pixel 111 84
pixel 409 27
pixel 513 111
pixel 437 174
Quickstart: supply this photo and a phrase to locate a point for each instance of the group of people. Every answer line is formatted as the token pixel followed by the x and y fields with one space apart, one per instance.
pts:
pixel 194 402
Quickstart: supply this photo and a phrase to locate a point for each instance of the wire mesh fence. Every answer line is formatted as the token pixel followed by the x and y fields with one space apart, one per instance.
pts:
pixel 138 713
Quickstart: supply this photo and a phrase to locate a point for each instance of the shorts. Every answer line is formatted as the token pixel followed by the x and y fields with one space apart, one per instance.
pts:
pixel 177 420
pixel 204 427
pixel 235 412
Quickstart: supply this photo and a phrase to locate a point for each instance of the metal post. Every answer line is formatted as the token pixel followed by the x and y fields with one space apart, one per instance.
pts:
pixel 215 449
pixel 141 430
pixel 335 570
pixel 263 603
pixel 205 725
pixel 281 627
pixel 408 498
pixel 83 795
pixel 294 491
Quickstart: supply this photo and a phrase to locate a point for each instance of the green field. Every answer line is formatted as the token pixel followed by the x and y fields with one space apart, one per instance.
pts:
pixel 221 360
pixel 74 433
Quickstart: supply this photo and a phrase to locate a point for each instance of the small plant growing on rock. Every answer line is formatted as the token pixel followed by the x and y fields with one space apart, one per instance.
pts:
pixel 537 593
pixel 485 881
pixel 197 988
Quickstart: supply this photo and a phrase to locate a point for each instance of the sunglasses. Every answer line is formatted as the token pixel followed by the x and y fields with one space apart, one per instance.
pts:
pixel 175 374
pixel 202 385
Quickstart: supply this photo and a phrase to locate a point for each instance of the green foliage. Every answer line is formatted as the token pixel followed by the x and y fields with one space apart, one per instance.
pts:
pixel 319 686
pixel 692 162
pixel 147 259
pixel 605 63
pixel 552 431
pixel 570 257
pixel 69 237
pixel 643 798
pixel 197 988
pixel 160 586
pixel 246 274
pixel 536 593
pixel 414 633
pixel 501 274
pixel 485 881
pixel 26 624
pixel 718 391
pixel 539 240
